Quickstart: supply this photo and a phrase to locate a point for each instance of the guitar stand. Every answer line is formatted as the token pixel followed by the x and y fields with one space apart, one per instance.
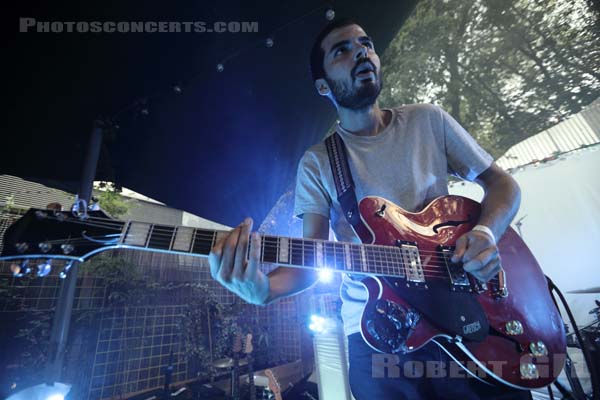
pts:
pixel 577 392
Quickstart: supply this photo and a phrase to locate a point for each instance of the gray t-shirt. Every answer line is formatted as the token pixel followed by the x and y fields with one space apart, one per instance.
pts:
pixel 407 163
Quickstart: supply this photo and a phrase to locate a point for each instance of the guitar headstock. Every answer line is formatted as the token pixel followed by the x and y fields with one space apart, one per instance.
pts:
pixel 52 234
pixel 248 344
pixel 273 384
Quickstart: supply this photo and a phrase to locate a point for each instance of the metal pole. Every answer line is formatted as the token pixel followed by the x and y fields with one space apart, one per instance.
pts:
pixel 64 304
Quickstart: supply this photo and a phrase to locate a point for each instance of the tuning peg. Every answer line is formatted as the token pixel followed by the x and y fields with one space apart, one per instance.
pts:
pixel 21 270
pixel 67 248
pixel 63 273
pixel 21 247
pixel 44 268
pixel 45 247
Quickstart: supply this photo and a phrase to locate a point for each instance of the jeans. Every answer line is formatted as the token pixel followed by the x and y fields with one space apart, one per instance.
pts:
pixel 428 373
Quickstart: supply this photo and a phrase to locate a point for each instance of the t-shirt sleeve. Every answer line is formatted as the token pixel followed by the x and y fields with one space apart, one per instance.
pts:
pixel 466 159
pixel 311 196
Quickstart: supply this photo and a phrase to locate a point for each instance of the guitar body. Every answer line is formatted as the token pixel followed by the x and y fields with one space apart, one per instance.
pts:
pixel 468 321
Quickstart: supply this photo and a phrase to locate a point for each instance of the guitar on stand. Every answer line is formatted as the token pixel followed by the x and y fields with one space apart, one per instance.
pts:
pixel 508 328
pixel 248 349
pixel 273 384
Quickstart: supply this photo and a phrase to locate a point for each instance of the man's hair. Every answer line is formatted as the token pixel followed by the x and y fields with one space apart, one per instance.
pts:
pixel 317 55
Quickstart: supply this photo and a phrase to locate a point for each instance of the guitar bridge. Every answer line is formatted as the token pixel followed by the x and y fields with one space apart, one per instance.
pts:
pixel 459 280
pixel 500 289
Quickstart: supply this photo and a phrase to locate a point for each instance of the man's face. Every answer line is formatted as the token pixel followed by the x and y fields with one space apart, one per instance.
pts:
pixel 352 68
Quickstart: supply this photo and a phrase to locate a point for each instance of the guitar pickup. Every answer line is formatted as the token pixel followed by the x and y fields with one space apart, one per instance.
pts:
pixel 459 280
pixel 412 263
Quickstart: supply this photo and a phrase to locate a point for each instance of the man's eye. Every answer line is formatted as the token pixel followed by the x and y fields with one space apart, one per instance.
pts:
pixel 339 51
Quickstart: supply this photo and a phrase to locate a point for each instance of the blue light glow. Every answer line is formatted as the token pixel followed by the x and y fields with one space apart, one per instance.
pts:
pixel 325 275
pixel 318 324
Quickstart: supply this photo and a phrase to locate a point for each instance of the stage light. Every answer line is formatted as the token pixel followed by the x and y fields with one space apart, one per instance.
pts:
pixel 330 14
pixel 220 67
pixel 269 42
pixel 43 391
pixel 325 275
pixel 318 324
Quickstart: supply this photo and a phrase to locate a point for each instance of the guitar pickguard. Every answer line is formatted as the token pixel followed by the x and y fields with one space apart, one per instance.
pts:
pixel 390 324
pixel 456 313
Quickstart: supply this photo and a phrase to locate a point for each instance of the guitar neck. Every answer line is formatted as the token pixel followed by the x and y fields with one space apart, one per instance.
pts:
pixel 293 252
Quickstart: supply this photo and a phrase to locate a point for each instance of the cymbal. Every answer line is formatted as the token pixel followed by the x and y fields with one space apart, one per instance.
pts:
pixel 588 290
pixel 227 362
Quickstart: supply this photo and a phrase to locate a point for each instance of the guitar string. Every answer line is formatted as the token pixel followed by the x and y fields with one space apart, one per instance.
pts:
pixel 394 270
pixel 381 251
pixel 383 259
pixel 380 265
pixel 168 232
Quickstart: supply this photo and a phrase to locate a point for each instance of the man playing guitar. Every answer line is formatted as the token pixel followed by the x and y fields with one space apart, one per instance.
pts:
pixel 403 154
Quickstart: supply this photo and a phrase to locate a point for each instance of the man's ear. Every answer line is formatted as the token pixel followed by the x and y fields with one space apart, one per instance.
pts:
pixel 322 87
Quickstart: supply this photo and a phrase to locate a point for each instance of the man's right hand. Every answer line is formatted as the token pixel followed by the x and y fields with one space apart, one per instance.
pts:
pixel 229 266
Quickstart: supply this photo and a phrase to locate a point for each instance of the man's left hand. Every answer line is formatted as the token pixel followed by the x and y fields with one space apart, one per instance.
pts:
pixel 479 255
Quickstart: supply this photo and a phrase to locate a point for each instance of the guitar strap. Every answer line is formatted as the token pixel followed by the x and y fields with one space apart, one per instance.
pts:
pixel 344 186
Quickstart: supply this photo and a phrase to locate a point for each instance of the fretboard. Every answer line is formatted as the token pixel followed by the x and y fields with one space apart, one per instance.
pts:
pixel 293 252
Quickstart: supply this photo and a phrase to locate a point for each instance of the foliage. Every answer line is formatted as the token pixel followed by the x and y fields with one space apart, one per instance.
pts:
pixel 111 201
pixel 504 69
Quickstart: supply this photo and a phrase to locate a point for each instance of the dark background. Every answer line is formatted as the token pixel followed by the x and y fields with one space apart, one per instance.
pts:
pixel 227 146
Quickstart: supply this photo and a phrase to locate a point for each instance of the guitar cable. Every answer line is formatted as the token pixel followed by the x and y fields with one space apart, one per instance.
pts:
pixel 569 370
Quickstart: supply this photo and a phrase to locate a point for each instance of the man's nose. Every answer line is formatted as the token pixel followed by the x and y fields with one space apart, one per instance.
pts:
pixel 361 52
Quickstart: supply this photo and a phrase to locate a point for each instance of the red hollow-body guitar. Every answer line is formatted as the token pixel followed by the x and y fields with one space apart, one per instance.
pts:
pixel 506 331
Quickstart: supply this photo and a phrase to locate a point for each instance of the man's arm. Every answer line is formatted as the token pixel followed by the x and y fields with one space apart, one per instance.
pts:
pixel 476 249
pixel 501 201
pixel 285 281
pixel 243 277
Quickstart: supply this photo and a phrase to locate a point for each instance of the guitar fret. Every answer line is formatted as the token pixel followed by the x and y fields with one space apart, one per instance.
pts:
pixel 363 258
pixel 309 253
pixel 283 254
pixel 270 249
pixel 137 234
pixel 338 254
pixel 183 239
pixel 398 262
pixel 149 235
pixel 319 255
pixel 385 264
pixel 160 237
pixel 172 238
pixel 389 256
pixel 297 256
pixel 329 255
pixel 355 257
pixel 202 242
pixel 348 257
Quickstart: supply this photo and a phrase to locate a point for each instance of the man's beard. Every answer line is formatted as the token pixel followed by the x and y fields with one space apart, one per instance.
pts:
pixel 348 96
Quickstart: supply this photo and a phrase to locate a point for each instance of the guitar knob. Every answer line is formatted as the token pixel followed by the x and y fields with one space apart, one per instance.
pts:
pixel 44 268
pixel 67 248
pixel 514 327
pixel 529 371
pixel 21 247
pixel 45 247
pixel 538 349
pixel 21 270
